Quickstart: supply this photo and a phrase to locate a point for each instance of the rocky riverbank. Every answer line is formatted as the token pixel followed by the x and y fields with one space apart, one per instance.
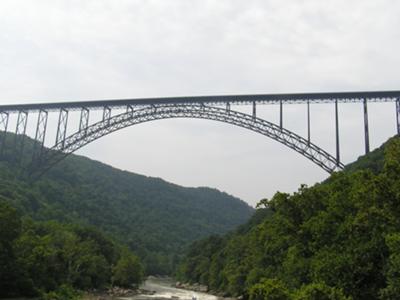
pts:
pixel 159 288
pixel 196 287
pixel 115 293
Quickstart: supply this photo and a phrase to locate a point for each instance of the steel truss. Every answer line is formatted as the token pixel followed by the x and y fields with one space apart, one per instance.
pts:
pixel 62 129
pixel 40 134
pixel 84 121
pixel 199 111
pixel 20 132
pixel 106 113
pixel 216 108
pixel 4 118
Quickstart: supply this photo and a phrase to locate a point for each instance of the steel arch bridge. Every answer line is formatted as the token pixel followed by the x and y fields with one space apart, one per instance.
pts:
pixel 130 112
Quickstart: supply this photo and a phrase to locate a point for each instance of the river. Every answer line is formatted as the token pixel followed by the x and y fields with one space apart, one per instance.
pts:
pixel 164 290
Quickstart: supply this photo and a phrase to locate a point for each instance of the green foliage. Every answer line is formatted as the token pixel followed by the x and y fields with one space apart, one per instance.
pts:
pixel 13 278
pixel 156 219
pixel 334 240
pixel 53 259
pixel 374 161
pixel 392 290
pixel 269 289
pixel 319 291
pixel 64 292
pixel 128 271
pixel 153 218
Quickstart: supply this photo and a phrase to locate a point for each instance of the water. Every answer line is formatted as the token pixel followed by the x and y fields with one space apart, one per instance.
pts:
pixel 164 290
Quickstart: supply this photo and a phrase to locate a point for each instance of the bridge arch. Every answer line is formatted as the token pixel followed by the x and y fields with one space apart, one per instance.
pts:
pixel 149 113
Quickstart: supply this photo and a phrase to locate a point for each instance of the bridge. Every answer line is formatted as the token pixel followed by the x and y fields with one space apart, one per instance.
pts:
pixel 118 114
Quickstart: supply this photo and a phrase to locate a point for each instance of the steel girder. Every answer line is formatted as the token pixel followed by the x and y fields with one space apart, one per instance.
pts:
pixel 398 115
pixel 157 112
pixel 297 98
pixel 366 128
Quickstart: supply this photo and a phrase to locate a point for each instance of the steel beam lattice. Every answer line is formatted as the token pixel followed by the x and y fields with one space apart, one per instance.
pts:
pixel 284 136
pixel 20 130
pixel 84 120
pixel 40 134
pixel 4 118
pixel 216 108
pixel 106 113
pixel 61 129
pixel 129 108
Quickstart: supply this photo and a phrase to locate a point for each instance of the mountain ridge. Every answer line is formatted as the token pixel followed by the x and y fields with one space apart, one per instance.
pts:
pixel 155 218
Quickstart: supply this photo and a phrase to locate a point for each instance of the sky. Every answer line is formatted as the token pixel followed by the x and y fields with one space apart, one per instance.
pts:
pixel 70 50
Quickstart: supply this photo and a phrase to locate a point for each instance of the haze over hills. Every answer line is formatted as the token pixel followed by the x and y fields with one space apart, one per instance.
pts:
pixel 156 219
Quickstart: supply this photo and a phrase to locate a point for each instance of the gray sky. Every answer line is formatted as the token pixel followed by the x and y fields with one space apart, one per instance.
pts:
pixel 54 50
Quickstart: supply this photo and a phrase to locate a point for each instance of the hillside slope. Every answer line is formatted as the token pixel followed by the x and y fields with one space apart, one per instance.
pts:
pixel 336 240
pixel 155 218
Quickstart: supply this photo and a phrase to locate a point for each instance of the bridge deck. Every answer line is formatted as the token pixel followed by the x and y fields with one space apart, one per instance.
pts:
pixel 372 96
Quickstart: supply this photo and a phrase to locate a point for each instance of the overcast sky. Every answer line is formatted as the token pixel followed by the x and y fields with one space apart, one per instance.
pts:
pixel 57 50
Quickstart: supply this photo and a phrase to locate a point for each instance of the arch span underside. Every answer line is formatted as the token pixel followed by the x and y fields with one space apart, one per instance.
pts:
pixel 199 111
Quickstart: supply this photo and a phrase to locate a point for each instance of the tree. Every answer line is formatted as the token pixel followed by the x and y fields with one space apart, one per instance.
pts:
pixel 319 291
pixel 269 289
pixel 128 271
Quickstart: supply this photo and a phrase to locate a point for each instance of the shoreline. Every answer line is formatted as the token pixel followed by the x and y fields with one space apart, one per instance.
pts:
pixel 147 290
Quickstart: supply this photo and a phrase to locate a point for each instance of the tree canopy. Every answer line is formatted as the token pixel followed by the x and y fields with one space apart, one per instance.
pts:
pixel 336 240
pixel 154 218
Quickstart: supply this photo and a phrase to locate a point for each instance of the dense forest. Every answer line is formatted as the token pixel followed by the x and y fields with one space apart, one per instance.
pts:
pixel 339 239
pixel 54 260
pixel 55 232
pixel 154 218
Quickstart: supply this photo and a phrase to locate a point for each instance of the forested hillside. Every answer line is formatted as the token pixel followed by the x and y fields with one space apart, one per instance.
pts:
pixel 54 260
pixel 336 240
pixel 156 219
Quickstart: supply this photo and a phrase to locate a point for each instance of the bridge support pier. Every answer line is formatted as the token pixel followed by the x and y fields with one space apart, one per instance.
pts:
pixel 129 109
pixel 366 129
pixel 20 131
pixel 254 110
pixel 62 129
pixel 106 114
pixel 4 117
pixel 337 133
pixel 84 120
pixel 40 134
pixel 398 115
pixel 281 114
pixel 308 123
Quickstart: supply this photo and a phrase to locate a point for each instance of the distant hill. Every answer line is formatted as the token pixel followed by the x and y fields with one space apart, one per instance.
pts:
pixel 155 218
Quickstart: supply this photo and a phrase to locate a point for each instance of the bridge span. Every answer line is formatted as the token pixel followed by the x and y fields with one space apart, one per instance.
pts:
pixel 121 113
